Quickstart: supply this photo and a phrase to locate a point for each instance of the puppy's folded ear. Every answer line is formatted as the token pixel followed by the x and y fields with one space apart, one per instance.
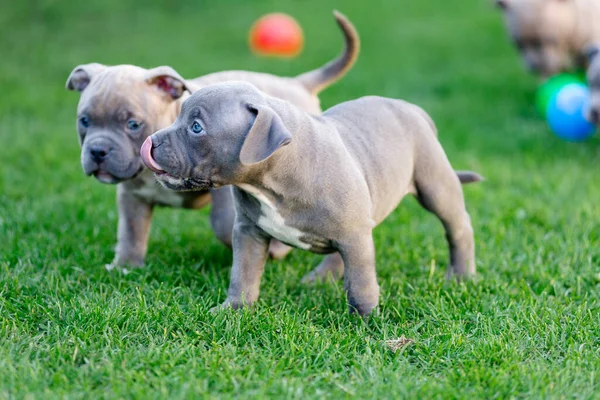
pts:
pixel 167 80
pixel 267 135
pixel 591 51
pixel 82 75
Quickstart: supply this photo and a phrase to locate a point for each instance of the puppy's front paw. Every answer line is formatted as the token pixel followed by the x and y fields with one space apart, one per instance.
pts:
pixel 119 268
pixel 218 309
pixel 124 265
pixel 461 272
pixel 364 303
pixel 234 304
pixel 331 269
pixel 364 310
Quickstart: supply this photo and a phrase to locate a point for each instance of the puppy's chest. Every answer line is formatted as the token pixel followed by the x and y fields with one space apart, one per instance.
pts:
pixel 270 220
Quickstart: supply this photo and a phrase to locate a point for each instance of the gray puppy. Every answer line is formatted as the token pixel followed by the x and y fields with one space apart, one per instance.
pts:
pixel 319 183
pixel 121 105
pixel 551 34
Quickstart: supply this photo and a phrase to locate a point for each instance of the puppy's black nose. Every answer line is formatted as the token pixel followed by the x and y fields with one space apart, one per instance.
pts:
pixel 594 116
pixel 98 154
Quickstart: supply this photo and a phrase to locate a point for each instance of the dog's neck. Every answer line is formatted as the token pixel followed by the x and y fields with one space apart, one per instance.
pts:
pixel 287 174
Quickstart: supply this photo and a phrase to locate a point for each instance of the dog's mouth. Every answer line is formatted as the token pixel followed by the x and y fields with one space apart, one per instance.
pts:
pixel 106 177
pixel 148 160
pixel 183 184
pixel 166 179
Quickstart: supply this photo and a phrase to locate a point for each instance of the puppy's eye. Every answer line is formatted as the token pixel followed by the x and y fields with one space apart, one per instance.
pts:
pixel 196 128
pixel 133 125
pixel 84 122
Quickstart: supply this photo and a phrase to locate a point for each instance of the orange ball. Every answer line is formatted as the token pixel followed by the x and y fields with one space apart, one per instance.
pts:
pixel 276 35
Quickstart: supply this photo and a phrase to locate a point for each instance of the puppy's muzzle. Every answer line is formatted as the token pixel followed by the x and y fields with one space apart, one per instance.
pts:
pixel 99 153
pixel 147 159
pixel 98 150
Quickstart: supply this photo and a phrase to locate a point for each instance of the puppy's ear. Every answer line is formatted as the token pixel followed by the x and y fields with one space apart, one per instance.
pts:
pixel 267 135
pixel 167 80
pixel 82 75
pixel 502 4
pixel 591 51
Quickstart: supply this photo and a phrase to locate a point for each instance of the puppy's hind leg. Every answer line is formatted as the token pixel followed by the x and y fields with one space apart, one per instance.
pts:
pixel 439 191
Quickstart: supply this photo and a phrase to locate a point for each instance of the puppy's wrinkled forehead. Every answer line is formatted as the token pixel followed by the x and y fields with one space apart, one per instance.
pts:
pixel 223 97
pixel 119 91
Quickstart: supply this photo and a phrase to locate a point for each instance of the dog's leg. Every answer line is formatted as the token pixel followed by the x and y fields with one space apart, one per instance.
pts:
pixel 439 191
pixel 250 247
pixel 133 230
pixel 222 214
pixel 360 278
pixel 332 268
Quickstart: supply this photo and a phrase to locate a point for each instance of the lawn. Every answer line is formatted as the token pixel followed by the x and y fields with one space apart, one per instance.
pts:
pixel 528 326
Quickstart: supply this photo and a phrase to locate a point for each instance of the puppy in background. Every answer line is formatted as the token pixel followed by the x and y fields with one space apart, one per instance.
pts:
pixel 121 105
pixel 552 34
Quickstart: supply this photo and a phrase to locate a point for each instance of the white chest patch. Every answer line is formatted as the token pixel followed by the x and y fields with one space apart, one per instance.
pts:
pixel 272 222
pixel 153 192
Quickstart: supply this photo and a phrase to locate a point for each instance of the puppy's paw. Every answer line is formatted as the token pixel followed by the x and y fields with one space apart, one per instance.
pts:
pixel 222 307
pixel 331 269
pixel 461 272
pixel 123 265
pixel 218 309
pixel 119 268
pixel 314 277
pixel 111 266
pixel 364 310
pixel 364 302
pixel 230 304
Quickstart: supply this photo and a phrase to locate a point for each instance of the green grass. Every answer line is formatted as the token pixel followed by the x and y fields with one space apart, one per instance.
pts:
pixel 528 327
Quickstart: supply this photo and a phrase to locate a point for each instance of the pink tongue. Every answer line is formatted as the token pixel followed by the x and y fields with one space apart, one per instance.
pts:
pixel 146 153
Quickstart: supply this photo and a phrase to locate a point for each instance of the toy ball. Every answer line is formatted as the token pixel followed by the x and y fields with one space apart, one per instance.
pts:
pixel 566 113
pixel 276 35
pixel 552 86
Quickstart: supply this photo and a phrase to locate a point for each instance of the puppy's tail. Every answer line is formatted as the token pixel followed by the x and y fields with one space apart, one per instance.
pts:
pixel 466 177
pixel 317 80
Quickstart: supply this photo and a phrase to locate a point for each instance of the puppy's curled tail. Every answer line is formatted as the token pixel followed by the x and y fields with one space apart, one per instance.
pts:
pixel 466 177
pixel 317 80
